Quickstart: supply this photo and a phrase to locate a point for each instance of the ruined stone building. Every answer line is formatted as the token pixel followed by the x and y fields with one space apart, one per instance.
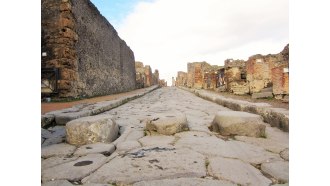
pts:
pixel 195 74
pixel 211 77
pixel 235 77
pixel 181 79
pixel 155 77
pixel 269 71
pixel 200 75
pixel 144 75
pixel 162 83
pixel 82 54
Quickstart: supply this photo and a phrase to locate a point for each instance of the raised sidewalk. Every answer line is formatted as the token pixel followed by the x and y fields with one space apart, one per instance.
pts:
pixel 276 117
pixel 61 117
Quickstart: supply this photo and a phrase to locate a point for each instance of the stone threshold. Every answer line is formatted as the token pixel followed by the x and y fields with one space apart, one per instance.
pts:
pixel 61 117
pixel 276 117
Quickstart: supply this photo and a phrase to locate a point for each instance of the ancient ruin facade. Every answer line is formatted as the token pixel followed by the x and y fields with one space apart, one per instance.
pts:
pixel 181 79
pixel 235 76
pixel 269 71
pixel 83 51
pixel 155 77
pixel 144 76
pixel 195 74
pixel 211 76
pixel 162 83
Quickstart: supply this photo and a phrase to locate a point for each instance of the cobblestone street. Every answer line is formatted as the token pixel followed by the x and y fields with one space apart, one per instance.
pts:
pixel 193 155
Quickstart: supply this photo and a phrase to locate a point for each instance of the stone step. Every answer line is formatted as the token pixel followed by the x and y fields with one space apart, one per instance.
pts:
pixel 262 95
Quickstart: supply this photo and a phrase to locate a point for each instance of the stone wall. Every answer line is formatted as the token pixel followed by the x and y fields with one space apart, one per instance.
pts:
pixel 190 75
pixel 155 77
pixel 235 76
pixel 86 49
pixel 280 74
pixel 259 69
pixel 144 75
pixel 162 83
pixel 181 79
pixel 58 39
pixel 195 74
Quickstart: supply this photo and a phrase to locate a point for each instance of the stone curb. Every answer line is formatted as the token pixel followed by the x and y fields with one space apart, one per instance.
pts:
pixel 276 117
pixel 61 117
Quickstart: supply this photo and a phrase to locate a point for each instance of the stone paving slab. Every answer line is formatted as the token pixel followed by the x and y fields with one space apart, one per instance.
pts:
pixel 74 170
pixel 55 160
pixel 150 164
pixel 60 150
pixel 96 148
pixel 156 140
pixel 251 153
pixel 236 171
pixel 57 183
pixel 278 170
pixel 185 182
pixel 275 140
pixel 205 144
pixel 127 145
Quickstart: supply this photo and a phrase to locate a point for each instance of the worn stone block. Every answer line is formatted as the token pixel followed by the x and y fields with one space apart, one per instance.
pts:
pixel 167 123
pixel 91 129
pixel 238 123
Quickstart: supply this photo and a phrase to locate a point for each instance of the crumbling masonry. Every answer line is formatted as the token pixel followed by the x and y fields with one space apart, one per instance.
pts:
pixel 258 74
pixel 84 51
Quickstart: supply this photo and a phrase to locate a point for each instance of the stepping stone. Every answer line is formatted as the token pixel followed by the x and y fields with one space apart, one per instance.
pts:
pixel 96 148
pixel 236 171
pixel 74 170
pixel 60 150
pixel 238 123
pixel 278 170
pixel 91 129
pixel 184 182
pixel 167 123
pixel 150 164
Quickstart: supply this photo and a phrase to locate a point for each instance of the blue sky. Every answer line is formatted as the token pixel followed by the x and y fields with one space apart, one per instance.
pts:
pixel 116 10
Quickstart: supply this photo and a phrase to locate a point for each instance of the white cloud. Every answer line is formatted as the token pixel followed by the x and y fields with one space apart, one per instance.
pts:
pixel 167 34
